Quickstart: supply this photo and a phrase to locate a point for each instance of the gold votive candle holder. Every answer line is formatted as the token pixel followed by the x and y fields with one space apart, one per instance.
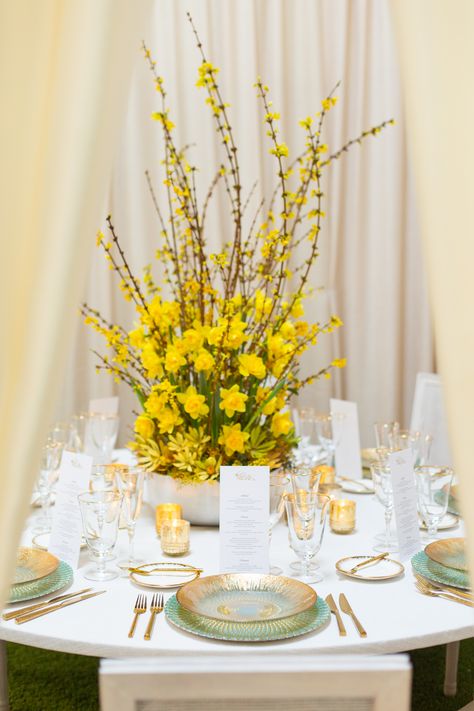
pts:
pixel 167 512
pixel 342 515
pixel 327 474
pixel 175 536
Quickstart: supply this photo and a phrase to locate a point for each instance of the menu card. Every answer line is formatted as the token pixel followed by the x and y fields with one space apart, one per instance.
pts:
pixel 346 434
pixel 244 519
pixel 104 405
pixel 66 532
pixel 404 503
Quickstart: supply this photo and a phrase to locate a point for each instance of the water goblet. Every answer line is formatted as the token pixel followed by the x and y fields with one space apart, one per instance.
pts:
pixel 384 492
pixel 278 486
pixel 384 431
pixel 306 535
pixel 100 511
pixel 103 430
pixel 104 477
pixel 130 483
pixel 418 442
pixel 329 432
pixel 433 484
pixel 48 476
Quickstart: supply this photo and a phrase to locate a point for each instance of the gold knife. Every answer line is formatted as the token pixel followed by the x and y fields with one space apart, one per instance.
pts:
pixel 33 615
pixel 335 611
pixel 345 607
pixel 374 559
pixel 30 608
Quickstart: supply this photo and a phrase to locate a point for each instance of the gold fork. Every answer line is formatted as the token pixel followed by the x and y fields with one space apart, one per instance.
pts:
pixel 446 588
pixel 427 590
pixel 157 603
pixel 139 609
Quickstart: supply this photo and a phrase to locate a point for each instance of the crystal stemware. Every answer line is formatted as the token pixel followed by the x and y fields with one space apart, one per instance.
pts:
pixel 130 483
pixel 102 431
pixel 329 432
pixel 418 442
pixel 100 512
pixel 384 431
pixel 306 535
pixel 433 484
pixel 278 486
pixel 49 472
pixel 384 492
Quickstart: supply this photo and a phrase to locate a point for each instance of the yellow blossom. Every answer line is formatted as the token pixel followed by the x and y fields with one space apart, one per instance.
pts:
pixel 168 419
pixel 281 149
pixel 204 361
pixel 137 338
pixel 281 424
pixel 297 309
pixel 151 361
pixel 174 360
pixel 232 400
pixel 155 403
pixel 233 439
pixel 144 426
pixel 194 404
pixel 250 364
pixel 339 362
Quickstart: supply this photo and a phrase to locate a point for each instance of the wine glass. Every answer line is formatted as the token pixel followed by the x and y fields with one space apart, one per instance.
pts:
pixel 382 479
pixel 130 483
pixel 100 512
pixel 329 431
pixel 418 442
pixel 433 484
pixel 384 432
pixel 103 430
pixel 278 486
pixel 79 432
pixel 103 477
pixel 306 534
pixel 49 472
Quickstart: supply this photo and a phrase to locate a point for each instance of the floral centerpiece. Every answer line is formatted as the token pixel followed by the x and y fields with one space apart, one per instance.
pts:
pixel 214 355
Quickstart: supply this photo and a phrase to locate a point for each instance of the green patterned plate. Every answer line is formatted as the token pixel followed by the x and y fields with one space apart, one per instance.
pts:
pixel 267 631
pixel 61 577
pixel 439 573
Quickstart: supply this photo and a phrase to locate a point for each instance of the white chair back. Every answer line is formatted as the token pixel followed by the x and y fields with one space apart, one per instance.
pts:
pixel 428 415
pixel 275 682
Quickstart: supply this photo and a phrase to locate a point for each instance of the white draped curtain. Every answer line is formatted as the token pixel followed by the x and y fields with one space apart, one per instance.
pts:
pixel 370 270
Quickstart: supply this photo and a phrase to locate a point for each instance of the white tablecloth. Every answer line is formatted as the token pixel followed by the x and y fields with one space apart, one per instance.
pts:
pixel 395 615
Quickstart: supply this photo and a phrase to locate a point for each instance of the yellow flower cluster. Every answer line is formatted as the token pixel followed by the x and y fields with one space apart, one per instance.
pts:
pixel 215 362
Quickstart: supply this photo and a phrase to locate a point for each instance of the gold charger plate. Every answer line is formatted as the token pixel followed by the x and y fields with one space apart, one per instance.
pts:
pixel 386 568
pixel 33 564
pixel 450 552
pixel 246 597
pixel 162 576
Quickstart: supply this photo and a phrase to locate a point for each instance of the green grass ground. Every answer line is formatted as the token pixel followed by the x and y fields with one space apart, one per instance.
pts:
pixel 49 681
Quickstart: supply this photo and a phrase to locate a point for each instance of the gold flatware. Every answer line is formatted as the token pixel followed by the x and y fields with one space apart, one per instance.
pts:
pixel 182 569
pixel 358 483
pixel 157 604
pixel 428 590
pixel 446 588
pixel 369 561
pixel 345 607
pixel 333 607
pixel 31 608
pixel 139 609
pixel 39 613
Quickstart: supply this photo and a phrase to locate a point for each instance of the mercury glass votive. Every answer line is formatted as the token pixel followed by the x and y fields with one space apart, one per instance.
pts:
pixel 342 515
pixel 167 512
pixel 175 536
pixel 327 474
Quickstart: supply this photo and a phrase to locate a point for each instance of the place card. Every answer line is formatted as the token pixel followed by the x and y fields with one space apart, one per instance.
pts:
pixel 244 519
pixel 346 435
pixel 104 405
pixel 404 503
pixel 66 531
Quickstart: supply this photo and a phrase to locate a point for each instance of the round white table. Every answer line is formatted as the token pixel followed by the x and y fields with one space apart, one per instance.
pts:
pixel 396 616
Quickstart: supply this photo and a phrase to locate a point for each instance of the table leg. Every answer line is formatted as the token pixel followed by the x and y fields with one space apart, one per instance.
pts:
pixel 4 705
pixel 451 669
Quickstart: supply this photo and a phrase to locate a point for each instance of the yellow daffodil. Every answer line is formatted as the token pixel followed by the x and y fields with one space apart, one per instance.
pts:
pixel 155 403
pixel 168 419
pixel 144 426
pixel 151 361
pixel 233 439
pixel 204 361
pixel 232 400
pixel 250 364
pixel 281 424
pixel 194 404
pixel 173 360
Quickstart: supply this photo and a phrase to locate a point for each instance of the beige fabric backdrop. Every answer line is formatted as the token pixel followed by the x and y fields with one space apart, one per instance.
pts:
pixel 64 76
pixel 437 56
pixel 370 261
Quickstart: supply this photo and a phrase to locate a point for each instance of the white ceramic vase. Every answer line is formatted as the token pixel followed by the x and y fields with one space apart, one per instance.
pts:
pixel 200 502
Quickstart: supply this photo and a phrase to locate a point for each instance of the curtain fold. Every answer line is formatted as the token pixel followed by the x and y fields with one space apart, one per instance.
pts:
pixel 437 60
pixel 370 269
pixel 64 77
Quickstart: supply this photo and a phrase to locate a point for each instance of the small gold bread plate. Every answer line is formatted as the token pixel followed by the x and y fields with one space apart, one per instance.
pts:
pixel 385 569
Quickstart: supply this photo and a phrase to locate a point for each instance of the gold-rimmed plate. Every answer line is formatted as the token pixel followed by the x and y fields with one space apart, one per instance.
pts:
pixel 448 521
pixel 164 575
pixel 41 541
pixel 33 564
pixel 246 597
pixel 450 552
pixel 380 570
